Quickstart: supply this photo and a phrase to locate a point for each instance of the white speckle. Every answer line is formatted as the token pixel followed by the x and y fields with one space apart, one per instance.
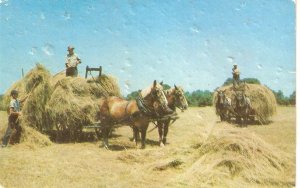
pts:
pixel 127 84
pixel 67 15
pixel 200 115
pixel 230 59
pixel 194 29
pixel 123 69
pixel 292 72
pixel 259 66
pixel 278 70
pixel 42 16
pixel 128 62
pixel 33 51
pixel 4 2
pixel 206 42
pixel 48 49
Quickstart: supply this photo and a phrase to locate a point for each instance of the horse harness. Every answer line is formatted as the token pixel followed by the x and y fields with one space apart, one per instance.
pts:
pixel 145 109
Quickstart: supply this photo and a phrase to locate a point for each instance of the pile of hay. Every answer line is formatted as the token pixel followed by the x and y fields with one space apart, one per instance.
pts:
pixel 73 103
pixel 60 102
pixel 32 137
pixel 262 99
pixel 235 154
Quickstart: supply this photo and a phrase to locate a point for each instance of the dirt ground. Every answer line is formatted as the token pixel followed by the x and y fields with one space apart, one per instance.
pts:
pixel 88 165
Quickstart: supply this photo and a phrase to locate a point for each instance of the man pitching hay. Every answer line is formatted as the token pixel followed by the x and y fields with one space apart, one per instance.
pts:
pixel 72 60
pixel 13 120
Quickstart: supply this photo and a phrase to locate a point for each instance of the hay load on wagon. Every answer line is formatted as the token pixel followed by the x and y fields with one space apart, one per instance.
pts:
pixel 58 101
pixel 262 99
pixel 73 103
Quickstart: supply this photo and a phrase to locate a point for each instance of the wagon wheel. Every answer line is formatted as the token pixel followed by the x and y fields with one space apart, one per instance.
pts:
pixel 58 132
pixel 98 133
pixel 61 132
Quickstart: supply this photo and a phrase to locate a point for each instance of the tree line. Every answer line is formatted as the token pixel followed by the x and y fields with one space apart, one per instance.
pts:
pixel 205 97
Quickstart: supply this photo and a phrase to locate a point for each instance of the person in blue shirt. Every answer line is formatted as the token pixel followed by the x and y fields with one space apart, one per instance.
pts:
pixel 13 119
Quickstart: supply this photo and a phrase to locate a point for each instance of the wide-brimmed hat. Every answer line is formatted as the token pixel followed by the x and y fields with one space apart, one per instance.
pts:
pixel 70 47
pixel 14 92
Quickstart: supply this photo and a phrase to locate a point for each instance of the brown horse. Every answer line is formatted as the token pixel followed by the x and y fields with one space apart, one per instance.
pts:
pixel 176 98
pixel 243 108
pixel 136 113
pixel 224 106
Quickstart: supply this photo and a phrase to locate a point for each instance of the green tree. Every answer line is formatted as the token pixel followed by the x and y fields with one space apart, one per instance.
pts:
pixel 166 86
pixel 229 81
pixel 280 98
pixel 251 80
pixel 133 95
pixel 292 98
pixel 199 98
pixel 2 107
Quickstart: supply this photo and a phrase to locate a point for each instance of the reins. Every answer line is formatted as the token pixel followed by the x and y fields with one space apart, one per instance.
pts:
pixel 98 85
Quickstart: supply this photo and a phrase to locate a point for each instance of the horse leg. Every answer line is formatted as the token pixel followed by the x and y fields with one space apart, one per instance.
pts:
pixel 143 135
pixel 135 134
pixel 221 117
pixel 160 133
pixel 105 134
pixel 98 134
pixel 238 119
pixel 166 130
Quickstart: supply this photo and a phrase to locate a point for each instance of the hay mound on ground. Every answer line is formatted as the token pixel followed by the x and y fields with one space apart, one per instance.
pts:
pixel 262 99
pixel 31 136
pixel 236 154
pixel 59 100
pixel 36 89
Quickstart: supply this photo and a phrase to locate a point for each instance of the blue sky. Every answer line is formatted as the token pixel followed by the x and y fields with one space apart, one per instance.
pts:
pixel 192 43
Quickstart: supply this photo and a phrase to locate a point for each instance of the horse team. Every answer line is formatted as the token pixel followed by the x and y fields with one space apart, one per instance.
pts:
pixel 238 107
pixel 152 105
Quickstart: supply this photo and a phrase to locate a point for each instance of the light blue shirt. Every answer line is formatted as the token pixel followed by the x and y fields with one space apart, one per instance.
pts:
pixel 15 104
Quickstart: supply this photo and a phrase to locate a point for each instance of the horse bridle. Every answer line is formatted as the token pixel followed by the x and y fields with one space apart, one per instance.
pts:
pixel 177 101
pixel 143 107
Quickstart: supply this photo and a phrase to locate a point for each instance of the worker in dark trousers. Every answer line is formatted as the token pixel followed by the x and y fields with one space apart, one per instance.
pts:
pixel 13 120
pixel 72 60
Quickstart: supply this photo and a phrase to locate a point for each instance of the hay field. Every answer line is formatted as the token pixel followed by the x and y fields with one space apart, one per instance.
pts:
pixel 202 152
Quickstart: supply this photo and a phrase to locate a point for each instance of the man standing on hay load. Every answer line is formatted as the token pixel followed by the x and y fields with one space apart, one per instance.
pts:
pixel 72 61
pixel 236 75
pixel 13 120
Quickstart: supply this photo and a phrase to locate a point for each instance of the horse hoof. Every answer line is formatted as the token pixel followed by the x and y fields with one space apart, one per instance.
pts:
pixel 143 147
pixel 164 141
pixel 162 144
pixel 104 146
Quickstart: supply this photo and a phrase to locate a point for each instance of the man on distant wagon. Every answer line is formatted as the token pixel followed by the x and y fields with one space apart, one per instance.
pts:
pixel 72 60
pixel 13 119
pixel 235 75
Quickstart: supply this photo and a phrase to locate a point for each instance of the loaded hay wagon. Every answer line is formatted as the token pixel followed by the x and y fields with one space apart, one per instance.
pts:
pixel 262 99
pixel 63 107
pixel 60 104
